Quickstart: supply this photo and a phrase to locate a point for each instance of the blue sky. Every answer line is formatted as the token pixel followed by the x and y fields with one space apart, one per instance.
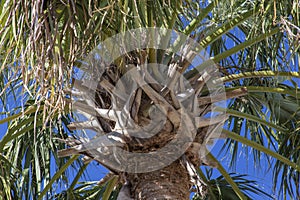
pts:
pixel 245 165
pixel 262 175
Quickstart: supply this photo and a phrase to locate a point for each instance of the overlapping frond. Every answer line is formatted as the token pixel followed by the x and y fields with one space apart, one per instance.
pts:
pixel 255 44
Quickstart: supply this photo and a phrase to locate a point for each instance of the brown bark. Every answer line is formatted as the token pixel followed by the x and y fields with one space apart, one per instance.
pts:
pixel 171 182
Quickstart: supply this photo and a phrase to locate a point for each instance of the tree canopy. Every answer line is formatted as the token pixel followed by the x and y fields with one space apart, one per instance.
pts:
pixel 254 44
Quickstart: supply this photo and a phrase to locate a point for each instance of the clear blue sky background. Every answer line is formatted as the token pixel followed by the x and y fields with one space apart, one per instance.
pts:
pixel 262 175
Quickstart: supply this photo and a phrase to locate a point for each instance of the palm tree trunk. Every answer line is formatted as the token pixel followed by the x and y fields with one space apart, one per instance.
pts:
pixel 171 182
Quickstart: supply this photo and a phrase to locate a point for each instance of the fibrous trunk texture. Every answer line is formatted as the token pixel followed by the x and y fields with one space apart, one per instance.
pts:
pixel 171 182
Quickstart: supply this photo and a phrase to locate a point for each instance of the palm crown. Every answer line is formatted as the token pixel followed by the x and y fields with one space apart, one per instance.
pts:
pixel 254 46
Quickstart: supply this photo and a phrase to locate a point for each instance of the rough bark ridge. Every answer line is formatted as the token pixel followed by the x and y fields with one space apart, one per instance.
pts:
pixel 171 182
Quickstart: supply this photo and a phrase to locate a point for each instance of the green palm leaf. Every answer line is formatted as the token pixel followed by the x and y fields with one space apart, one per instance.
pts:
pixel 254 44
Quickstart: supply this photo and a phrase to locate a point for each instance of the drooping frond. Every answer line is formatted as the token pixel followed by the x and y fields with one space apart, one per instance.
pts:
pixel 43 46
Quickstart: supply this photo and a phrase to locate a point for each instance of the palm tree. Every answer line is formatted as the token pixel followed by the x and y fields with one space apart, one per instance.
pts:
pixel 252 66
